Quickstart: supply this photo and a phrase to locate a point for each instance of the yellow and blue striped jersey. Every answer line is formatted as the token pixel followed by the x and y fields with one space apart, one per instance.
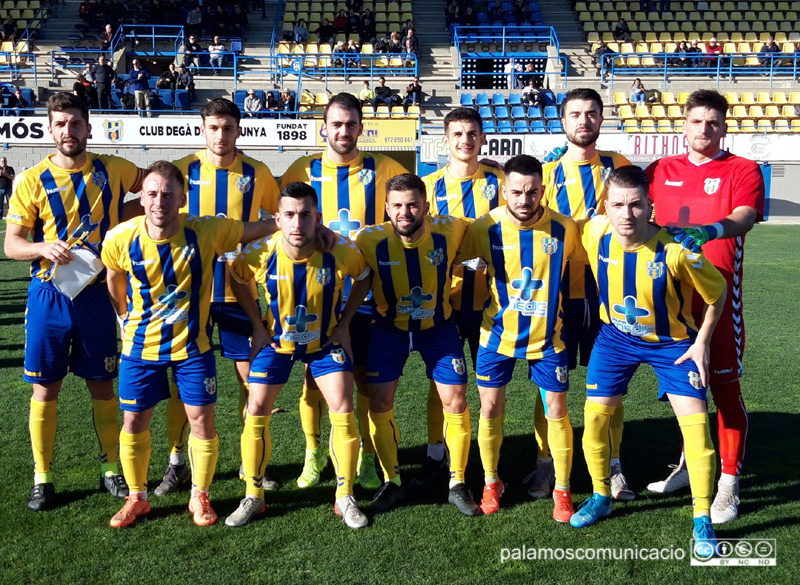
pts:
pixel 169 284
pixel 238 191
pixel 647 292
pixel 472 197
pixel 60 204
pixel 303 298
pixel 412 281
pixel 527 268
pixel 577 189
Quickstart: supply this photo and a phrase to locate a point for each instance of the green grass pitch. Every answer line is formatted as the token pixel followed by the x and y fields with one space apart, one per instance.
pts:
pixel 301 541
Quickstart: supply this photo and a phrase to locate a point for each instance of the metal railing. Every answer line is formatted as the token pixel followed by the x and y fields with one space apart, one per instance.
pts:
pixel 516 74
pixel 149 34
pixel 505 35
pixel 13 64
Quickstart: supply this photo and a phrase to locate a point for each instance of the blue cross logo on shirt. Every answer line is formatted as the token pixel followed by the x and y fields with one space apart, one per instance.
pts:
pixel 527 284
pixel 417 297
pixel 630 310
pixel 172 296
pixel 344 226
pixel 300 319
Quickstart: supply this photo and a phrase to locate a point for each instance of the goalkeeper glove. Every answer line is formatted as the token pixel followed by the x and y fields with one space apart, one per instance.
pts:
pixel 555 154
pixel 693 239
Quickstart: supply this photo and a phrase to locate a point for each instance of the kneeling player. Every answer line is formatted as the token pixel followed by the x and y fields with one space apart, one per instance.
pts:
pixel 411 256
pixel 643 279
pixel 159 280
pixel 303 287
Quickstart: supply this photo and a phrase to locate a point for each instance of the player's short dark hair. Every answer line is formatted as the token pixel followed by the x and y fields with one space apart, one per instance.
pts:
pixel 62 100
pixel 524 164
pixel 707 98
pixel 167 170
pixel 629 177
pixel 298 190
pixel 582 93
pixel 221 107
pixel 406 182
pixel 463 115
pixel 346 101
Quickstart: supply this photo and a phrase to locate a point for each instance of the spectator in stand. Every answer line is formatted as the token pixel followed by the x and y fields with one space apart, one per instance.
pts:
pixel 410 36
pixel 221 22
pixel 239 23
pixel 339 53
pixel 602 55
pixel 532 96
pixel 80 86
pixel 513 74
pixel 209 20
pixel 413 94
pixel 18 103
pixel 406 27
pixel 522 13
pixel 340 22
pixel 186 81
pixel 194 21
pixel 169 82
pixel 139 83
pixel 468 17
pixel 353 22
pixel 622 32
pixel 104 76
pixel 366 95
pixel 695 52
pixel 645 5
pixel 528 75
pixel 713 51
pixel 681 58
pixel 768 50
pixel 271 105
pixel 395 46
pixel 496 13
pixel 383 94
pixel 663 6
pixel 354 5
pixel 216 58
pixel 6 180
pixel 106 37
pixel 410 51
pixel 287 103
pixel 252 104
pixel 451 15
pixel 638 92
pixel 326 33
pixel 300 32
pixel 86 13
pixel 367 32
pixel 191 54
pixel 353 49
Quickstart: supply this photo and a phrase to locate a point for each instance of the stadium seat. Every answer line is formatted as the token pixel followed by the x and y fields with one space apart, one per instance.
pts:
pixel 501 112
pixel 779 97
pixel 537 126
pixel 641 111
pixel 551 113
pixel 658 111
pixel 626 112
pixel 772 111
pixel 498 99
pixel 630 126
pixel 620 98
pixel 518 113
pixel 781 125
pixel 795 125
pixel 732 125
pixel 514 99
pixel 764 125
pixel 748 126
pixel 664 126
pixel 414 112
pixel 504 127
pixel 555 127
pixel 482 99
pixel 466 100
pixel 520 127
pixel 739 112
pixel 667 98
pixel 488 127
pixel 787 111
pixel 675 112
pixel 534 112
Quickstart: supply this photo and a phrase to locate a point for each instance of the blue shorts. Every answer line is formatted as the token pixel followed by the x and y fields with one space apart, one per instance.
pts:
pixel 549 373
pixel 441 349
pixel 359 338
pixel 271 367
pixel 617 355
pixel 235 330
pixel 469 328
pixel 581 324
pixel 61 334
pixel 143 384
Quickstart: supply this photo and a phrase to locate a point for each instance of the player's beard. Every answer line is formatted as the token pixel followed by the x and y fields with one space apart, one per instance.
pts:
pixel 74 150
pixel 583 140
pixel 409 230
pixel 343 150
pixel 524 216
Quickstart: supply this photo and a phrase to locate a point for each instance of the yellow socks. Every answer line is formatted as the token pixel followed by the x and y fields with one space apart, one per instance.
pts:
pixel 176 422
pixel 134 453
pixel 312 407
pixel 344 451
pixel 457 435
pixel 435 415
pixel 490 438
pixel 104 420
pixel 203 455
pixel 616 430
pixel 559 435
pixel 540 428
pixel 596 448
pixel 386 438
pixel 256 450
pixel 362 412
pixel 43 420
pixel 701 461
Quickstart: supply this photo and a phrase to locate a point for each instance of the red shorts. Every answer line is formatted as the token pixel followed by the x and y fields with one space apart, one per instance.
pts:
pixel 727 343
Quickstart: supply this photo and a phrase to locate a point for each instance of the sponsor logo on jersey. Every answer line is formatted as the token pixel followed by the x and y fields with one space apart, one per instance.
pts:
pixel 724 371
pixel 484 378
pixel 607 260
pixel 694 380
pixel 389 263
pixel 313 178
pixel 297 326
pixel 655 270
pixel 496 247
pixel 566 183
pixel 112 129
pixel 631 312
pixel 436 256
pixel 414 301
pixel 56 190
pixel 446 197
pixel 323 276
pixel 244 184
pixel 673 183
pixel 210 385
pixel 522 303
pixel 591 386
pixel 279 277
pixel 145 262
pixel 167 306
pixel 711 186
pixel 549 246
pixel 198 182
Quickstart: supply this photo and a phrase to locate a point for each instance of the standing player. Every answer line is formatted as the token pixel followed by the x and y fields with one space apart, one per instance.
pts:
pixel 527 248
pixel 643 279
pixel 350 185
pixel 160 270
pixel 574 186
pixel 303 288
pixel 411 256
pixel 716 196
pixel 71 195
pixel 220 182
pixel 463 188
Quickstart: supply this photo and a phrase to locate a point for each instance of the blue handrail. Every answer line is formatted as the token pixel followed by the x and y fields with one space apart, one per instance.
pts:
pixel 505 35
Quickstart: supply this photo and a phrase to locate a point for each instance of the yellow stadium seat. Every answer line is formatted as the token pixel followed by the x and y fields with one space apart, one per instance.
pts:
pixel 733 126
pixel 748 126
pixel 658 111
pixel 794 97
pixel 755 112
pixel 413 112
pixel 787 111
pixel 664 126
pixel 732 98
pixel 675 112
pixel 382 112
pixel 626 112
pixel 764 125
pixel 632 126
pixel 368 111
pixel 796 125
pixel 683 96
pixel 781 125
pixel 620 98
pixel 647 125
pixel 668 98
pixel 748 98
pixel 398 112
pixel 641 111
pixel 763 98
pixel 739 112
pixel 772 111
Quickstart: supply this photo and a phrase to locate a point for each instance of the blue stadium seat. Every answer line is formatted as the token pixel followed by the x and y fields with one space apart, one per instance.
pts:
pixel 466 100
pixel 551 112
pixel 501 112
pixel 237 47
pixel 554 127
pixel 534 112
pixel 549 97
pixel 518 113
pixel 485 112
pixel 182 99
pixel 520 127
pixel 537 126
pixel 504 127
pixel 481 99
pixel 488 127
pixel 514 99
pixel 498 99
pixel 238 97
pixel 560 97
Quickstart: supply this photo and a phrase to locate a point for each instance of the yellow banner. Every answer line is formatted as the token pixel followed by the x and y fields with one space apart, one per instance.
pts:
pixel 381 134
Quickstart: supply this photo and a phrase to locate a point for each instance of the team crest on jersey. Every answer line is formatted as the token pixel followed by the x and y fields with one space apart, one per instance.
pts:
pixel 111 363
pixel 338 355
pixel 489 192
pixel 167 306
pixel 323 276
pixel 99 179
pixel 694 380
pixel 711 186
pixel 113 130
pixel 605 173
pixel 366 176
pixel 655 270
pixel 436 256
pixel 188 252
pixel 549 246
pixel 561 374
pixel 210 385
pixel 244 184
pixel 458 366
